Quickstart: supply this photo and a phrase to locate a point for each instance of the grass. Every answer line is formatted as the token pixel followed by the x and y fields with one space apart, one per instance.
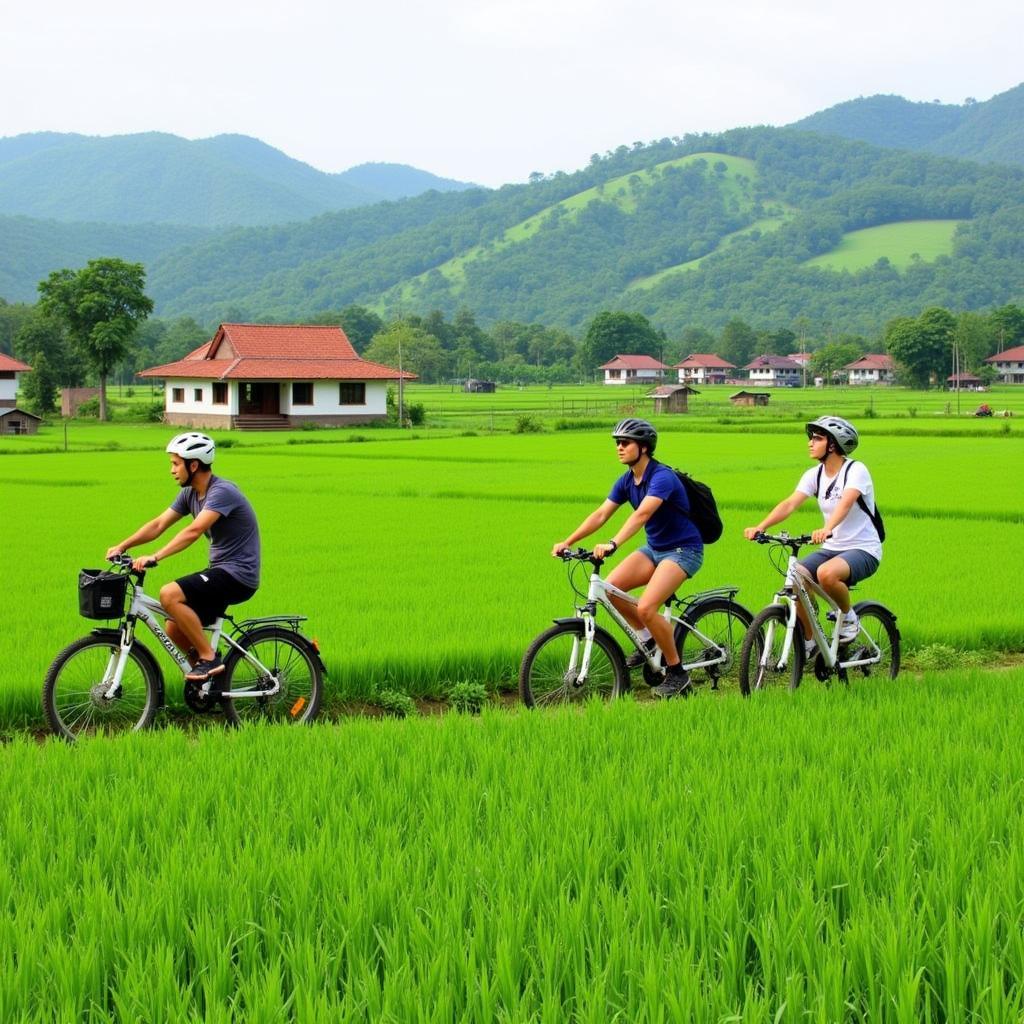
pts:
pixel 425 562
pixel 846 854
pixel 901 243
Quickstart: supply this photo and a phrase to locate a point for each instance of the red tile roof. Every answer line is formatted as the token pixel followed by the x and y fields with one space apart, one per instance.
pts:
pixel 9 363
pixel 872 361
pixel 633 363
pixel 276 352
pixel 707 360
pixel 1011 355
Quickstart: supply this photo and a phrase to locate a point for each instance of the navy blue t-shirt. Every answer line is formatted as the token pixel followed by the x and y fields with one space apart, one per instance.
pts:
pixel 671 526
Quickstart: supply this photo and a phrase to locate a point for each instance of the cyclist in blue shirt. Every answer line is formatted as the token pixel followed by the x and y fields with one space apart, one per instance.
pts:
pixel 673 552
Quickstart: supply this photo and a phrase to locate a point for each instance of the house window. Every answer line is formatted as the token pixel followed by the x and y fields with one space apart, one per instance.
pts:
pixel 197 394
pixel 302 393
pixel 220 393
pixel 6 375
pixel 177 394
pixel 351 393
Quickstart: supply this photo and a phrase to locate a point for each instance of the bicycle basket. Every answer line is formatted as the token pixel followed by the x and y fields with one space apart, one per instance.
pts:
pixel 101 594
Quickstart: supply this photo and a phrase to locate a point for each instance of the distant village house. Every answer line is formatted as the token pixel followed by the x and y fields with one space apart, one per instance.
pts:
pixel 703 368
pixel 10 370
pixel 774 371
pixel 633 370
pixel 874 368
pixel 1009 365
pixel 266 376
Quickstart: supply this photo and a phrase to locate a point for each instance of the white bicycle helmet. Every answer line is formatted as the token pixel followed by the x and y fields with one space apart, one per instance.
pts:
pixel 193 446
pixel 841 431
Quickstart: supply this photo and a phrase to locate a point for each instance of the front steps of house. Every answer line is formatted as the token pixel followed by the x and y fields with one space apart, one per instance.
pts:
pixel 260 422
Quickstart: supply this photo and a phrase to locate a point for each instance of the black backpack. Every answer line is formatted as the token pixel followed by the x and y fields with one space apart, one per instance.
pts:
pixel 703 509
pixel 876 517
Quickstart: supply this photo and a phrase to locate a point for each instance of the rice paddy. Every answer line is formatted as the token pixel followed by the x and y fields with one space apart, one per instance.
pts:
pixel 837 854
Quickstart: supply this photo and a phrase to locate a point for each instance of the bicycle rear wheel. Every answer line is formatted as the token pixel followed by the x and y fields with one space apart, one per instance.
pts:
pixel 75 699
pixel 722 622
pixel 761 653
pixel 286 657
pixel 880 626
pixel 550 670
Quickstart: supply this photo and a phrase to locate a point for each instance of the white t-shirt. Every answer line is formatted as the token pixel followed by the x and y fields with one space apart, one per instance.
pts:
pixel 856 530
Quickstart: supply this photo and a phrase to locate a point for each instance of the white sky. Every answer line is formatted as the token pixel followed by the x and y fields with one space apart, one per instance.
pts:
pixel 483 90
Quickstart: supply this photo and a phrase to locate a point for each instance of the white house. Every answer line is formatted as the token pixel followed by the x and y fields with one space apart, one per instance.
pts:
pixel 633 370
pixel 774 371
pixel 262 376
pixel 874 368
pixel 1009 365
pixel 703 368
pixel 10 368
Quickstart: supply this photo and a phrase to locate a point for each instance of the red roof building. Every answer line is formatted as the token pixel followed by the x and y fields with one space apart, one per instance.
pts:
pixel 874 368
pixel 703 368
pixel 9 370
pixel 261 376
pixel 631 369
pixel 1009 365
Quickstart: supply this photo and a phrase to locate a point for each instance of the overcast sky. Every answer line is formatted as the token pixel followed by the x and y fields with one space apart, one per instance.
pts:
pixel 484 90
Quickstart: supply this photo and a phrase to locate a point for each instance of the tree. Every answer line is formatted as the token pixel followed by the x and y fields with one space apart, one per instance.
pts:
pixel 41 334
pixel 830 358
pixel 39 388
pixel 922 345
pixel 615 333
pixel 360 325
pixel 101 306
pixel 737 342
pixel 418 352
pixel 1008 323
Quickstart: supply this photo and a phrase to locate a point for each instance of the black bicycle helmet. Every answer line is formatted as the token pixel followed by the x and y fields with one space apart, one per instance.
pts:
pixel 637 430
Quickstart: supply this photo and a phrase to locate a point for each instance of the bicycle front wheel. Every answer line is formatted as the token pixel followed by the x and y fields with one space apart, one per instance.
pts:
pixel 552 668
pixel 761 664
pixel 281 656
pixel 77 697
pixel 713 632
pixel 879 625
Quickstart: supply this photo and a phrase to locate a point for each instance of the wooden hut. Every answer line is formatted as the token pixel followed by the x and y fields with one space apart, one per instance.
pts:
pixel 749 398
pixel 17 421
pixel 671 397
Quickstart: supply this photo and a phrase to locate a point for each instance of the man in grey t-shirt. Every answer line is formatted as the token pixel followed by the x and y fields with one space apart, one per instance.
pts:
pixel 220 510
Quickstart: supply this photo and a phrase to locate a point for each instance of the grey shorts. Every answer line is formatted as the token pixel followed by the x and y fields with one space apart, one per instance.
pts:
pixel 862 565
pixel 688 559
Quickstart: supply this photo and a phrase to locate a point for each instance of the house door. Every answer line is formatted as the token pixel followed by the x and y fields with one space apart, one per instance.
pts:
pixel 260 399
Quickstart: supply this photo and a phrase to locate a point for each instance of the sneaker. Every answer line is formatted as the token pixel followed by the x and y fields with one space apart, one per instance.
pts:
pixel 849 628
pixel 638 657
pixel 809 648
pixel 204 669
pixel 677 684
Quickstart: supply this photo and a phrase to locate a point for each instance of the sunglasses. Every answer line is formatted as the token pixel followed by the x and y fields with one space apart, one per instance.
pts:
pixel 624 442
pixel 817 437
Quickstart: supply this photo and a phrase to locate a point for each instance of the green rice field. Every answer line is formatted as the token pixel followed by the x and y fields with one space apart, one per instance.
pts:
pixel 834 854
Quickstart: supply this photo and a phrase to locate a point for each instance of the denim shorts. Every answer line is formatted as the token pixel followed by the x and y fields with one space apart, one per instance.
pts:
pixel 862 565
pixel 688 559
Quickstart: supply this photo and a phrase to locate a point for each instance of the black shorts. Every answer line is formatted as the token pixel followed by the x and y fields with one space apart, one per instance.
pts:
pixel 208 593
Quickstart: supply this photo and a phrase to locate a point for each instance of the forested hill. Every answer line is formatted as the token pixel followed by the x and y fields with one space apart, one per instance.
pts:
pixel 690 232
pixel 990 132
pixel 160 178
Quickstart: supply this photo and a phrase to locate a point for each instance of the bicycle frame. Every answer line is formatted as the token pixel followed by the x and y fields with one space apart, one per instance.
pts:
pixel 801 588
pixel 600 592
pixel 149 611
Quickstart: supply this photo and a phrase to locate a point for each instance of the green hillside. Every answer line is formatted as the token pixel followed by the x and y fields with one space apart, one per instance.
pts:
pixel 991 131
pixel 160 178
pixel 901 244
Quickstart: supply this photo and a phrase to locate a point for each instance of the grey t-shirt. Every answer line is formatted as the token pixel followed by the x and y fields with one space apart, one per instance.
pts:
pixel 235 537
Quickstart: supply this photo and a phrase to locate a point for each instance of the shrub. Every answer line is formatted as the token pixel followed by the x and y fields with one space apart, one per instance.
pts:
pixel 90 410
pixel 226 442
pixel 943 656
pixel 396 704
pixel 155 413
pixel 527 424
pixel 468 698
pixel 416 414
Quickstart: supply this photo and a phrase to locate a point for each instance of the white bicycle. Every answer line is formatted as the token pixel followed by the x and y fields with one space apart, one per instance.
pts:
pixel 109 682
pixel 773 649
pixel 576 657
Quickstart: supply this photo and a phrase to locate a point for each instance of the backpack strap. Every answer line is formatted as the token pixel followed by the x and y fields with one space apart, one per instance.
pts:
pixel 862 504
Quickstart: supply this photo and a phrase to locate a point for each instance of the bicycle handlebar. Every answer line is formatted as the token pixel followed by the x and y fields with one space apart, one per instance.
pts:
pixel 784 539
pixel 580 555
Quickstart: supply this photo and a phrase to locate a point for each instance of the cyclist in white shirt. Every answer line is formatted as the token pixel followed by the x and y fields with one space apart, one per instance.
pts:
pixel 846 497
